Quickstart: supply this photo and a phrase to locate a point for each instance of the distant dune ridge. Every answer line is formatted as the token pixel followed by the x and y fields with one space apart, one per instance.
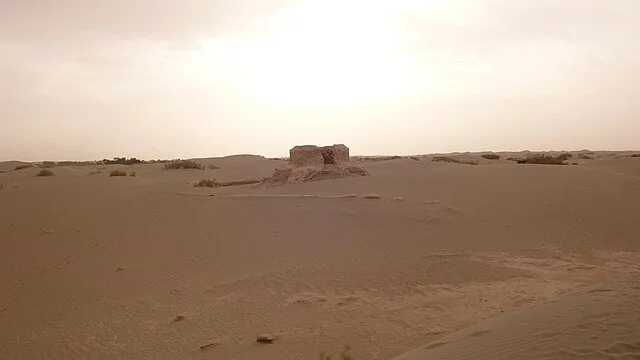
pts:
pixel 445 260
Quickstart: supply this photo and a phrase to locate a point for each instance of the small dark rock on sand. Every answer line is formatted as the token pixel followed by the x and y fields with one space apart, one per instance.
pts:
pixel 266 339
pixel 209 345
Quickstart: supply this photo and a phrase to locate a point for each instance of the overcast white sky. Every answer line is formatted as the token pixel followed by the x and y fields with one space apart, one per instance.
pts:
pixel 163 79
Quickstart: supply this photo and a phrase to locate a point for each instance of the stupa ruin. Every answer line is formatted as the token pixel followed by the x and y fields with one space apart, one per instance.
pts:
pixel 314 163
pixel 315 156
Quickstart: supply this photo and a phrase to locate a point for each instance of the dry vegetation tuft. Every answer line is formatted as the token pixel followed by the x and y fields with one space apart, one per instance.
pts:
pixel 452 160
pixel 21 167
pixel 242 182
pixel 114 161
pixel 546 159
pixel 45 172
pixel 376 158
pixel 118 173
pixel 121 161
pixel 564 156
pixel 491 156
pixel 206 183
pixel 182 164
pixel 50 164
pixel 214 184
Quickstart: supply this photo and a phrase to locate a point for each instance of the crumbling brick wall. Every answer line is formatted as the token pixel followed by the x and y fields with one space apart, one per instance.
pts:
pixel 306 155
pixel 340 154
pixel 313 156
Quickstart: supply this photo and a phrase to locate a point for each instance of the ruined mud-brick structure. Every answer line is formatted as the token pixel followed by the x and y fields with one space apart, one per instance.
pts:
pixel 315 156
pixel 315 163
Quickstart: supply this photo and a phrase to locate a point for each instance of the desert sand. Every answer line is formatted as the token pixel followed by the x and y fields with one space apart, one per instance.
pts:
pixel 453 261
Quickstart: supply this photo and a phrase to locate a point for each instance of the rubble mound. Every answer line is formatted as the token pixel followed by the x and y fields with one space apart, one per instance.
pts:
pixel 297 175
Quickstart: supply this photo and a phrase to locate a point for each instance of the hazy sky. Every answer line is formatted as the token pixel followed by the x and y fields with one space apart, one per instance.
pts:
pixel 87 79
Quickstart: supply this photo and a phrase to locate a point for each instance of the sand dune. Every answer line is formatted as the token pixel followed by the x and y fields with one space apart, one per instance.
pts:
pixel 595 323
pixel 95 267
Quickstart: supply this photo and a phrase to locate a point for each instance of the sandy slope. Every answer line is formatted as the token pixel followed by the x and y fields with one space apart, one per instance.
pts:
pixel 599 322
pixel 94 267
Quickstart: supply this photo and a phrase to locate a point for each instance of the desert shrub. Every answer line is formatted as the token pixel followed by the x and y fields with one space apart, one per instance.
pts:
pixel 118 173
pixel 206 183
pixel 376 158
pixel 50 164
pixel 132 174
pixel 414 158
pixel 564 156
pixel 635 155
pixel 241 182
pixel 212 167
pixel 491 156
pixel 585 156
pixel 544 159
pixel 45 172
pixel 121 161
pixel 21 167
pixel 214 184
pixel 182 164
pixel 575 163
pixel 452 160
pixel 76 163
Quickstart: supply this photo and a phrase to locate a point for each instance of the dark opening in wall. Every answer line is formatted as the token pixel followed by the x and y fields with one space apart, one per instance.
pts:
pixel 327 155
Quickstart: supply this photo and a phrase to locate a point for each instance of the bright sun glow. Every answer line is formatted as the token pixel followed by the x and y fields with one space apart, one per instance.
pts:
pixel 315 57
